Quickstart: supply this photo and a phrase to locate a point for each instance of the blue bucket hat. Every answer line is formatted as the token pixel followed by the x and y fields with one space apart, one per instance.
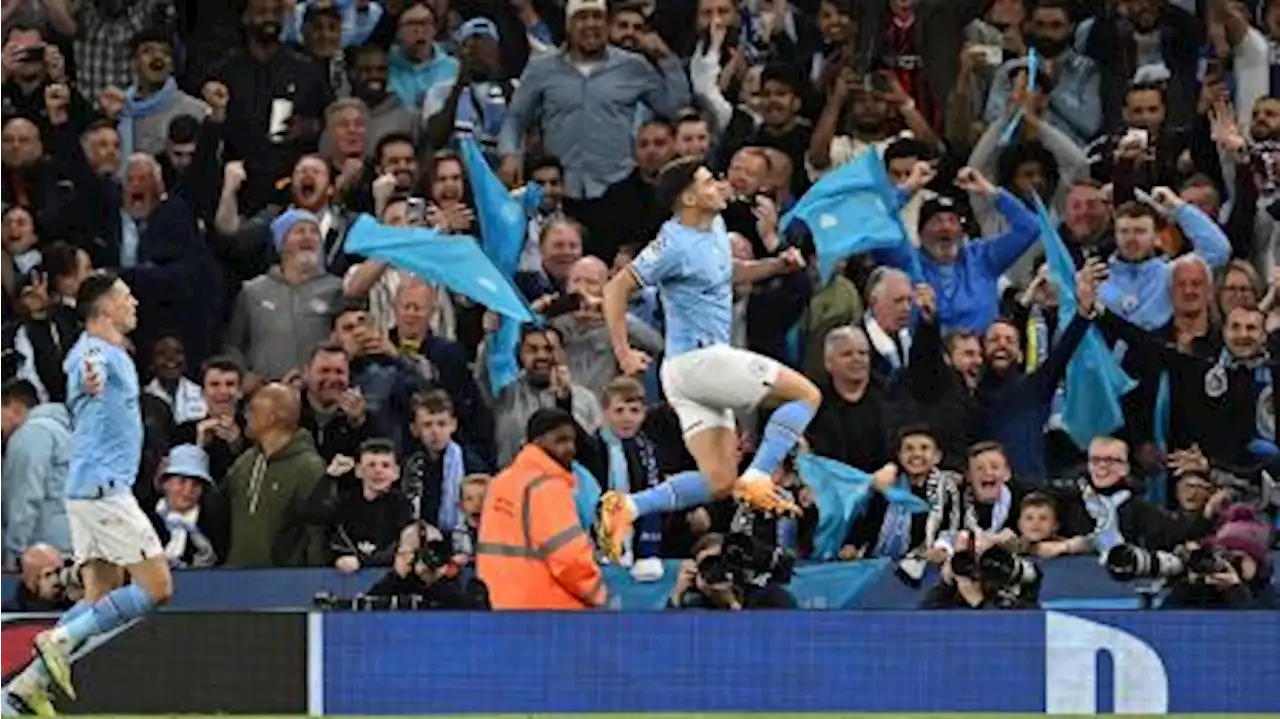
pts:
pixel 188 460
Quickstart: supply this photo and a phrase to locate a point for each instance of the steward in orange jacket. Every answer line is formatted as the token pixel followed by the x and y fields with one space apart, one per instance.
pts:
pixel 532 551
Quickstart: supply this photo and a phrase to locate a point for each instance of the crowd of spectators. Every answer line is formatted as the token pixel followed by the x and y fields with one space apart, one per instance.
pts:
pixel 305 406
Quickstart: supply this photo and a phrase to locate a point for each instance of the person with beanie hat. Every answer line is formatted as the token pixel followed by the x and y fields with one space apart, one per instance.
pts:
pixel 280 316
pixel 963 271
pixel 1242 569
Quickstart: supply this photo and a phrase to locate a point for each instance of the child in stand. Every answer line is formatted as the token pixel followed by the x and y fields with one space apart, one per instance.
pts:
pixel 470 501
pixel 625 459
pixel 436 468
pixel 1038 529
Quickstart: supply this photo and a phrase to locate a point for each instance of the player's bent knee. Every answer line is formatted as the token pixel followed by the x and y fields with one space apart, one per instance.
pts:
pixel 154 577
pixel 791 386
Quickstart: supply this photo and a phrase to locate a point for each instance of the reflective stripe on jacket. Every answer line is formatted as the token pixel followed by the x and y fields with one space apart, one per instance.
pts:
pixel 532 551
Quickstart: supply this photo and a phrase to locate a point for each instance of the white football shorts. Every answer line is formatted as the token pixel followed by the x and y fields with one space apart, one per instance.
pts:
pixel 706 385
pixel 112 529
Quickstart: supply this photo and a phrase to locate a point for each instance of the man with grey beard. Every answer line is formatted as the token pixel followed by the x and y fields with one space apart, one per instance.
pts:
pixel 292 300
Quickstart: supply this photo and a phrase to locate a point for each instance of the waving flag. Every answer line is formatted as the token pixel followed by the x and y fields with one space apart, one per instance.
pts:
pixel 839 491
pixel 455 261
pixel 1033 66
pixel 851 210
pixel 1095 382
pixel 503 222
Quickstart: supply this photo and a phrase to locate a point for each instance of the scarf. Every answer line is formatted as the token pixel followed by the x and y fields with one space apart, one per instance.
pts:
pixel 647 539
pixel 895 531
pixel 449 517
pixel 895 353
pixel 999 511
pixel 1105 510
pixel 944 504
pixel 136 108
pixel 186 404
pixel 31 369
pixel 183 529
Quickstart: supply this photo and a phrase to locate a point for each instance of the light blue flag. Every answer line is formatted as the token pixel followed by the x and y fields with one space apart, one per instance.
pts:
pixel 1095 382
pixel 455 261
pixel 851 210
pixel 503 221
pixel 586 495
pixel 1033 65
pixel 1158 486
pixel 840 492
pixel 900 495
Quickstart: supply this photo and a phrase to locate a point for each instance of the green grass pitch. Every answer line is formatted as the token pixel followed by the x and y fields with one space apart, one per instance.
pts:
pixel 762 715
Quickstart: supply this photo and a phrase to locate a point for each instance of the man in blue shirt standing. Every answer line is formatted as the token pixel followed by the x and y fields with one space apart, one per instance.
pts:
pixel 705 378
pixel 110 535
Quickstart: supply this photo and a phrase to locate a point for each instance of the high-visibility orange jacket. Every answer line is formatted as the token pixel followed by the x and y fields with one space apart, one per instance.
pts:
pixel 532 552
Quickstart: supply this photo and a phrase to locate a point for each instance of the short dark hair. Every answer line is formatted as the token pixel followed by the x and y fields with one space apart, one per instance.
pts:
pixel 1144 87
pixel 221 363
pixel 392 138
pixel 327 347
pixel 184 129
pixel 906 147
pixel 538 162
pixel 529 330
pixel 676 177
pixel 952 338
pixel 97 285
pixel 345 305
pixel 1038 499
pixel 20 391
pixel 376 445
pixel 988 445
pixel 1135 210
pixel 59 259
pixel 150 34
pixel 436 401
pixel 23 27
pixel 916 429
pixel 351 54
pixel 101 123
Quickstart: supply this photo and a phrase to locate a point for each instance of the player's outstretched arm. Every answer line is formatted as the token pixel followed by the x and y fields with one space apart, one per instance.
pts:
pixel 617 292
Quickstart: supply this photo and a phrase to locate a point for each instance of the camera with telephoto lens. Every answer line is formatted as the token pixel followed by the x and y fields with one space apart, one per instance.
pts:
pixel 715 569
pixel 751 557
pixel 743 558
pixel 996 567
pixel 1127 562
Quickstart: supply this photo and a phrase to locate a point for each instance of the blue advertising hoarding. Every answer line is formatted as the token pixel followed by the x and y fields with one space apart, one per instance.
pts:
pixel 1149 662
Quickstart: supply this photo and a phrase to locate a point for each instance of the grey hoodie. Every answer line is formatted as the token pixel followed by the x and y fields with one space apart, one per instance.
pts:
pixel 276 325
pixel 33 499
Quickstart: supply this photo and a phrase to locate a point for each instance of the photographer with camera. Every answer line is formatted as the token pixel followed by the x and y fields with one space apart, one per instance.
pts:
pixel 424 575
pixel 720 576
pixel 747 568
pixel 984 575
pixel 1230 570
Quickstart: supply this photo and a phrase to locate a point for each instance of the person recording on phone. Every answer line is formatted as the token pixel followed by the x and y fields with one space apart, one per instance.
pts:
pixel 384 378
pixel 1145 148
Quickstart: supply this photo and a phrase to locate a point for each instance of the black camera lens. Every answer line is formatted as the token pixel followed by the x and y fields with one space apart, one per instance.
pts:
pixel 714 569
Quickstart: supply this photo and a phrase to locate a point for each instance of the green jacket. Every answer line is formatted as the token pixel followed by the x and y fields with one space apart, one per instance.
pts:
pixel 271 517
